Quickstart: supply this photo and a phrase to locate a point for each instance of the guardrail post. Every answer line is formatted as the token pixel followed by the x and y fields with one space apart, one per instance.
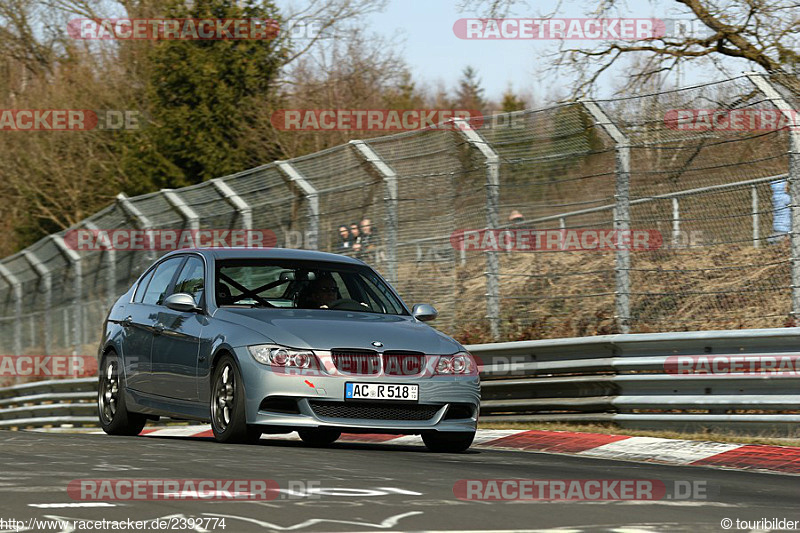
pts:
pixel 236 201
pixel 793 177
pixel 77 319
pixel 144 223
pixel 111 267
pixel 390 179
pixel 622 213
pixel 756 216
pixel 45 277
pixel 492 220
pixel 16 292
pixel 311 195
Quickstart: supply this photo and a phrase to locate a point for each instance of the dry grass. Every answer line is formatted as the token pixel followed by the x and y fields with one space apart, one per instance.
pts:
pixel 571 294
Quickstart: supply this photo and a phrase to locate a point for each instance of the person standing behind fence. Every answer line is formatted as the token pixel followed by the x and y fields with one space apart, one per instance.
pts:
pixel 781 216
pixel 345 240
pixel 370 240
pixel 515 219
pixel 355 237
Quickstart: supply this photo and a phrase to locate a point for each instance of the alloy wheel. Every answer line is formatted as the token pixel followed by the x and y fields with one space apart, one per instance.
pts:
pixel 109 392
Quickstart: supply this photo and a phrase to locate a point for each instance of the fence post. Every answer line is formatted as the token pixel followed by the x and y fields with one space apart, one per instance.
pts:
pixel 16 291
pixel 390 179
pixel 189 215
pixel 756 217
pixel 111 267
pixel 236 201
pixel 622 212
pixel 311 195
pixel 676 221
pixel 492 220
pixel 793 177
pixel 45 277
pixel 77 319
pixel 144 222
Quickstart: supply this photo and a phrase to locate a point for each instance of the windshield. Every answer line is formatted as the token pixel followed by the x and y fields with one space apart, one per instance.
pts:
pixel 303 285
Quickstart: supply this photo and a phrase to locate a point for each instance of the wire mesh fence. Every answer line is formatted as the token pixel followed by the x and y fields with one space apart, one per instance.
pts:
pixel 701 170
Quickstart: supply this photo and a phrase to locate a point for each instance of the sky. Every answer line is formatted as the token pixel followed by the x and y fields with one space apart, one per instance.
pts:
pixel 424 29
pixel 434 53
pixel 422 34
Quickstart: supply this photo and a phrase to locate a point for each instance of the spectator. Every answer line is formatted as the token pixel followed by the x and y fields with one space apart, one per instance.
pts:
pixel 345 240
pixel 516 219
pixel 781 216
pixel 355 236
pixel 369 236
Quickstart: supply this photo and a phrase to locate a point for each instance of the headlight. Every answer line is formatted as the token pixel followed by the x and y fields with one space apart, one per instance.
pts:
pixel 461 363
pixel 269 354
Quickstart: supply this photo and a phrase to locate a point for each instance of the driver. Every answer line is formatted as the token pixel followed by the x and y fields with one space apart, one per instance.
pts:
pixel 321 292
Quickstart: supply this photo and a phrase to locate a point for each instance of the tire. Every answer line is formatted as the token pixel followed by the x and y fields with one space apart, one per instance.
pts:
pixel 319 438
pixel 115 419
pixel 448 442
pixel 228 420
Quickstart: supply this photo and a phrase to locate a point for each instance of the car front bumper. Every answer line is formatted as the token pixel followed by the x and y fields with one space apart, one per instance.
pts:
pixel 440 393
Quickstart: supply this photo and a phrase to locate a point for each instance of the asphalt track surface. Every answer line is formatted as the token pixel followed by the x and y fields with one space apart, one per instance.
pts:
pixel 394 487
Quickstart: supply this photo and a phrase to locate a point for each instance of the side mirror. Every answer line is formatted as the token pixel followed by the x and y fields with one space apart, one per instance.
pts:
pixel 424 312
pixel 180 301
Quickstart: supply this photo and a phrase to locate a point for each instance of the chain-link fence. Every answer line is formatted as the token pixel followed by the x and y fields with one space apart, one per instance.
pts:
pixel 712 193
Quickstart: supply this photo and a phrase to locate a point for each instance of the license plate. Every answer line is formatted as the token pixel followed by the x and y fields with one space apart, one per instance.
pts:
pixel 381 391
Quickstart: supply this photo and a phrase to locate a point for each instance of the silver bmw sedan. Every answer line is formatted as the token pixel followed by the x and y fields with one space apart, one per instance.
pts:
pixel 261 341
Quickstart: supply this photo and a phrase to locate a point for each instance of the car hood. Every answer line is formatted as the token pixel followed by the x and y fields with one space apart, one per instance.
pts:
pixel 329 329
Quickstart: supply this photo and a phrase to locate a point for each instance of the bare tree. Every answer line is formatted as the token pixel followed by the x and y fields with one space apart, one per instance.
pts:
pixel 324 21
pixel 52 180
pixel 723 34
pixel 356 72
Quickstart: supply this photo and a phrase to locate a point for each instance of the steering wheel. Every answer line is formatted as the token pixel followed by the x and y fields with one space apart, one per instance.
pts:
pixel 347 304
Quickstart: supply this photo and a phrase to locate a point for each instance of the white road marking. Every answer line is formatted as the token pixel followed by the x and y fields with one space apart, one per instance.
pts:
pixel 392 521
pixel 406 440
pixel 187 431
pixel 671 451
pixel 486 435
pixel 73 504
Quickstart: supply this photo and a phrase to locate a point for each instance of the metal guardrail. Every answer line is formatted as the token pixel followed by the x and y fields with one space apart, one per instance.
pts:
pixel 623 379
pixel 611 378
pixel 49 403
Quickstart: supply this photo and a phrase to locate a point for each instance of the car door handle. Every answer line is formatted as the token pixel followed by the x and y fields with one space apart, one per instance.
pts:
pixel 158 327
pixel 128 321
